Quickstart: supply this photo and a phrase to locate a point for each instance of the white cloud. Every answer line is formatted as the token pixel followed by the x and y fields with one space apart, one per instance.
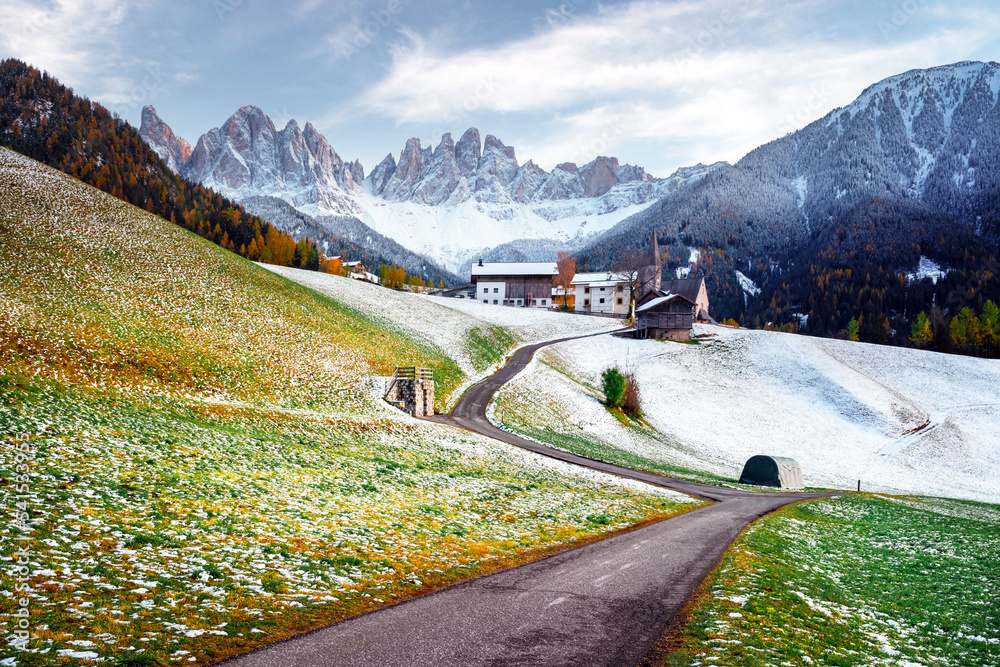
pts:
pixel 69 38
pixel 712 79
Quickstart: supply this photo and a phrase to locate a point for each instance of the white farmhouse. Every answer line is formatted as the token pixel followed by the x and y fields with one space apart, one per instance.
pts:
pixel 601 293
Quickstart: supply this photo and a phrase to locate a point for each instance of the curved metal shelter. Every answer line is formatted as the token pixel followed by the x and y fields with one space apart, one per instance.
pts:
pixel 778 471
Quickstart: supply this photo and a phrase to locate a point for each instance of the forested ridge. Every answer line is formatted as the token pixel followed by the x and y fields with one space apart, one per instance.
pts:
pixel 828 225
pixel 46 121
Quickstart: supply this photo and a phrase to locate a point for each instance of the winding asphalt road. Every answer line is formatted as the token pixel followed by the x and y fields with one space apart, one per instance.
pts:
pixel 606 603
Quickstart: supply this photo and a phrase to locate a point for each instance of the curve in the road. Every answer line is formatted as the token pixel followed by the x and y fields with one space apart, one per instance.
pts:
pixel 606 603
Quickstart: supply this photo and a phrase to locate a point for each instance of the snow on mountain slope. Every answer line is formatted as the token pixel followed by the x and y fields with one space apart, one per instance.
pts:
pixel 900 420
pixel 924 134
pixel 452 235
pixel 451 202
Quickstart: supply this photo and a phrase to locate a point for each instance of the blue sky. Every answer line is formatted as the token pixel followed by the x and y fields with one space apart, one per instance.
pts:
pixel 659 84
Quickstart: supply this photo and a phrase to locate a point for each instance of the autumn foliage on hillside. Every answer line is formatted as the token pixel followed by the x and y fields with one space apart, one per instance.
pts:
pixel 46 121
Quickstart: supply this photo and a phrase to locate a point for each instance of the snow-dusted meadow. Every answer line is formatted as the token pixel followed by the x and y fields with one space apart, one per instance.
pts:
pixel 205 471
pixel 448 322
pixel 899 420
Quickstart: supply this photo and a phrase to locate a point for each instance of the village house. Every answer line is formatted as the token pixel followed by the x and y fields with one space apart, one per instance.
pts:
pixel 601 293
pixel 358 271
pixel 669 309
pixel 523 284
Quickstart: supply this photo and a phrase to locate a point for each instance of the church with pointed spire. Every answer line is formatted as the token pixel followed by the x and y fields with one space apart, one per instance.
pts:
pixel 669 308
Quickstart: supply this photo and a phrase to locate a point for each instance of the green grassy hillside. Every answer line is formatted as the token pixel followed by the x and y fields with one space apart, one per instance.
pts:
pixel 200 468
pixel 857 580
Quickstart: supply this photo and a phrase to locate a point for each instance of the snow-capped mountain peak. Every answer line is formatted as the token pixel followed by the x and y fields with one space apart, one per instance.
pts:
pixel 449 202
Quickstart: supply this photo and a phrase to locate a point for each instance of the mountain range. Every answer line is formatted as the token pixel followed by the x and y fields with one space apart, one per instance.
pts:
pixel 809 230
pixel 443 202
pixel 817 227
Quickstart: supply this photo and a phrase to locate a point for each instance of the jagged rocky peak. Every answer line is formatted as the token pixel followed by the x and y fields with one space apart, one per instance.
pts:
pixel 497 169
pixel 446 147
pixel 247 157
pixel 401 184
pixel 172 149
pixel 380 175
pixel 603 173
pixel 468 150
pixel 246 125
pixel 529 178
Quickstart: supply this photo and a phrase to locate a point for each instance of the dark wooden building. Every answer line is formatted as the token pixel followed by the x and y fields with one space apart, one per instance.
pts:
pixel 527 285
pixel 695 291
pixel 662 315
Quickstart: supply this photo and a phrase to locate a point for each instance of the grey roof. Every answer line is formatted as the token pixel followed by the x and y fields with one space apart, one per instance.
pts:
pixel 656 302
pixel 686 287
pixel 515 269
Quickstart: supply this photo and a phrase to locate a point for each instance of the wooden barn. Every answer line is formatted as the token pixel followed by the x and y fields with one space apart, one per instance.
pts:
pixel 663 315
pixel 694 290
pixel 527 284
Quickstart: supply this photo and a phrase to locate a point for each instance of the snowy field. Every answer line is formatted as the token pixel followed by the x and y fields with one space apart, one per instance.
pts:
pixel 899 420
pixel 447 322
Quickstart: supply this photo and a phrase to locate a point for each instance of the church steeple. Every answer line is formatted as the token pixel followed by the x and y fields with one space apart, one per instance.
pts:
pixel 657 277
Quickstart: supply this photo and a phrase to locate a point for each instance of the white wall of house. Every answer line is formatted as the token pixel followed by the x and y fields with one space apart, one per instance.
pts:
pixel 545 302
pixel 492 293
pixel 604 297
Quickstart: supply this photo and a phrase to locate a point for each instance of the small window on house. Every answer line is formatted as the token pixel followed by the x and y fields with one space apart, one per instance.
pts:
pixel 602 301
pixel 496 290
pixel 494 302
pixel 486 300
pixel 621 288
pixel 543 301
pixel 602 289
pixel 485 290
pixel 619 301
pixel 586 302
pixel 519 302
pixel 534 302
pixel 586 290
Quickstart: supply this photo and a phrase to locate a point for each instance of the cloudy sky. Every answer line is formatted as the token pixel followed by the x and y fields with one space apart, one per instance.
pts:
pixel 659 84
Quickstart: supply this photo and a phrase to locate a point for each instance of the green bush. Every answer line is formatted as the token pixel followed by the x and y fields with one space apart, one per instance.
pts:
pixel 614 387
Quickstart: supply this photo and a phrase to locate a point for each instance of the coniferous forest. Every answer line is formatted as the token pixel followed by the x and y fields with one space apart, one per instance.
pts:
pixel 822 232
pixel 46 121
